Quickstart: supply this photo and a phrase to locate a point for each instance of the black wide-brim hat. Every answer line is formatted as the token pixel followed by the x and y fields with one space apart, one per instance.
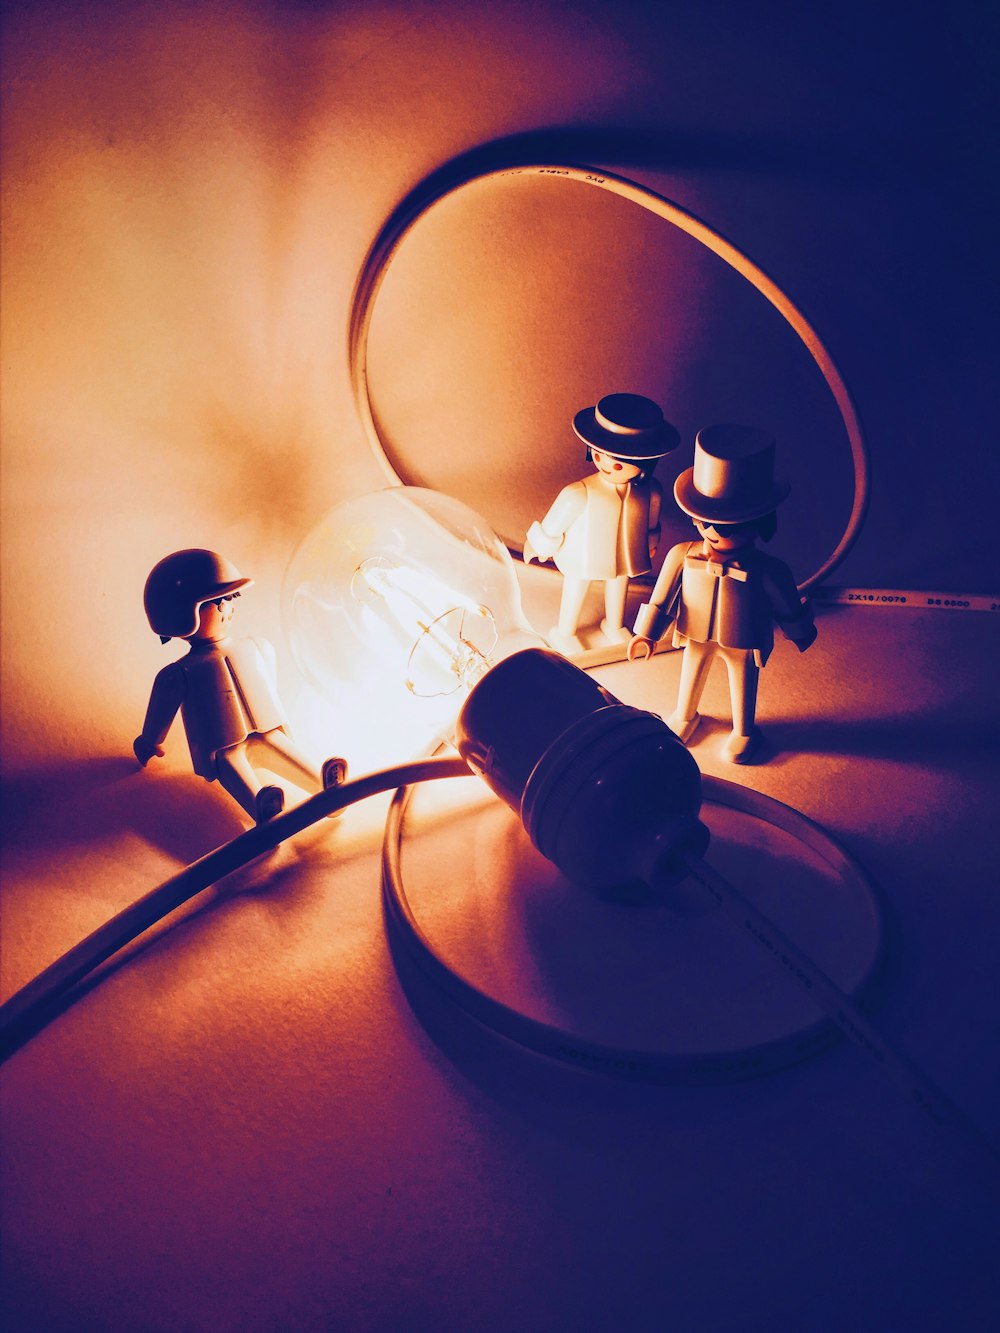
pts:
pixel 627 426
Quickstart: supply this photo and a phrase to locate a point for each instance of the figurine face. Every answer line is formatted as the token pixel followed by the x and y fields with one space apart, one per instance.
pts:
pixel 727 536
pixel 214 618
pixel 615 469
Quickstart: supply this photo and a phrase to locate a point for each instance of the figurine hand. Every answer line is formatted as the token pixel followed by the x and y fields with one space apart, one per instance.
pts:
pixel 145 750
pixel 539 545
pixel 639 647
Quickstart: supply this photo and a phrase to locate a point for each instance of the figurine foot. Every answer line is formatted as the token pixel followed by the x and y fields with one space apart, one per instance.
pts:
pixel 683 727
pixel 742 749
pixel 614 633
pixel 334 775
pixel 270 801
pixel 564 643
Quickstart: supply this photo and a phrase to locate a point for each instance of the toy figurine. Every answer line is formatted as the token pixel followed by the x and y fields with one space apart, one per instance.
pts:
pixel 723 595
pixel 224 688
pixel 606 526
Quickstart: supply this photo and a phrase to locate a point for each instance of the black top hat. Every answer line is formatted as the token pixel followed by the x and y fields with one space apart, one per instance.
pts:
pixel 627 426
pixel 732 480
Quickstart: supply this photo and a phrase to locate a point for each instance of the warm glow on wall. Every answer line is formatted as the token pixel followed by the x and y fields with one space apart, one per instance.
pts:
pixel 190 196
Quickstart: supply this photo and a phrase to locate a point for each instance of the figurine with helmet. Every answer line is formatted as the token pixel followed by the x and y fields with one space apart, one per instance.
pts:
pixel 224 688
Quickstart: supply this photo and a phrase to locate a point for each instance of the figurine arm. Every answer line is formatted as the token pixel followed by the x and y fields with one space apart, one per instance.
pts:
pixel 792 613
pixel 166 697
pixel 801 630
pixel 269 663
pixel 266 649
pixel 544 539
pixel 655 615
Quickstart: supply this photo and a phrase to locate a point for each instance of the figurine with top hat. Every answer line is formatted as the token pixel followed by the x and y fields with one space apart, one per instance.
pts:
pixel 724 596
pixel 606 526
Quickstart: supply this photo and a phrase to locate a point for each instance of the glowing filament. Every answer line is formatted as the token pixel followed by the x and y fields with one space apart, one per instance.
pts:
pixel 449 637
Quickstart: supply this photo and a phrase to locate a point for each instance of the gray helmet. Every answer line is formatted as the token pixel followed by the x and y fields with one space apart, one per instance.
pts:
pixel 180 585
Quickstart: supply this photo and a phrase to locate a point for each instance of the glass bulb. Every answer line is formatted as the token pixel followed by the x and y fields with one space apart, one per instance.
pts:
pixel 397 603
pixel 404 607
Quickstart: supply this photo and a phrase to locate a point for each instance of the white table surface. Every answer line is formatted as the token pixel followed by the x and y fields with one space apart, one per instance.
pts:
pixel 247 1127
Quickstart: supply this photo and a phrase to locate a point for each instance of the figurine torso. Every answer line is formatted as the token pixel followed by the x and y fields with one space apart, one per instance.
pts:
pixel 228 695
pixel 726 602
pixel 598 543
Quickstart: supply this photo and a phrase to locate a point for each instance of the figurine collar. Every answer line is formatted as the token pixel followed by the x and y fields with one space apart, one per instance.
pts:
pixel 209 645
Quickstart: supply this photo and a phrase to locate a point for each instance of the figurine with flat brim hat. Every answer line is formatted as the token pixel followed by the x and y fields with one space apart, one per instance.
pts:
pixel 732 480
pixel 627 426
pixel 605 527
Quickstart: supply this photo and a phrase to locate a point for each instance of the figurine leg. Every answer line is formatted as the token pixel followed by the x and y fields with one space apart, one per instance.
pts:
pixel 276 751
pixel 743 677
pixel 683 721
pixel 563 636
pixel 613 624
pixel 237 776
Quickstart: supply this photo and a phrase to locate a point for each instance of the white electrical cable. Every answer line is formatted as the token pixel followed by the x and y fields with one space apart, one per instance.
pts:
pixel 508 158
pixel 840 1011
pixel 649 1065
pixel 30 1008
pixel 912 599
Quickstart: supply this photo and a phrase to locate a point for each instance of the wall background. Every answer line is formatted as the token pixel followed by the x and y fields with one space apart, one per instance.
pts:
pixel 190 192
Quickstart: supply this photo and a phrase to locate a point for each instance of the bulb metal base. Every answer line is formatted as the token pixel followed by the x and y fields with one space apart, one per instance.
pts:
pixel 605 791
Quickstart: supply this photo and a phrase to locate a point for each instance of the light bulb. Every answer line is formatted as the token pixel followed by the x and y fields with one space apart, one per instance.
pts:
pixel 396 604
pixel 406 603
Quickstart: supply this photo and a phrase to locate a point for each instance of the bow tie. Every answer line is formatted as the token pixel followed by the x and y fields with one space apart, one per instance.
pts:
pixel 720 571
